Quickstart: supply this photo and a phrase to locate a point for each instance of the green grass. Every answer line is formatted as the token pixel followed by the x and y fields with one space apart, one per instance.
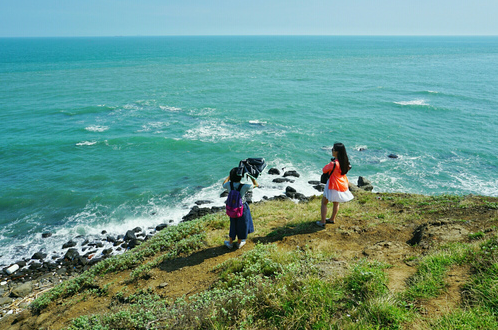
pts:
pixel 271 288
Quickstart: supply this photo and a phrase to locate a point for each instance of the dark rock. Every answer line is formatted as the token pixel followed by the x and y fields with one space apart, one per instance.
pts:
pixel 120 237
pixel 319 187
pixel 130 234
pixel 364 184
pixel 69 244
pixel 249 197
pixel 224 194
pixel 278 198
pixel 274 171
pixel 393 156
pixel 362 149
pixel 124 245
pixel 99 244
pixel 39 256
pixel 107 252
pixel 281 180
pixel 314 182
pixel 418 234
pixel 291 173
pixel 301 197
pixel 46 235
pixel 104 232
pixel 85 242
pixel 161 227
pixel 171 221
pixel 35 266
pixel 71 254
pixel 198 212
pixel 202 202
pixel 137 229
pixel 21 263
pixel 133 243
pixel 290 192
pixel 111 239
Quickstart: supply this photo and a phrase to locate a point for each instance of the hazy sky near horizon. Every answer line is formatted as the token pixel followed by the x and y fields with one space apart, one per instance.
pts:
pixel 51 18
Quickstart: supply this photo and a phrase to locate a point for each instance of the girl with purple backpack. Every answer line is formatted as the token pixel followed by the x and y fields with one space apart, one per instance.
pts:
pixel 242 226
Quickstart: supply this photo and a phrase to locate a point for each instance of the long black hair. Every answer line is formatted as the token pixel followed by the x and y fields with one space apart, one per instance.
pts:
pixel 342 157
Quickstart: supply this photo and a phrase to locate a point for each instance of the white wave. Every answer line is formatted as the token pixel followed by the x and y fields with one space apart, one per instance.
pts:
pixel 86 143
pixel 414 102
pixel 360 147
pixel 168 108
pixel 96 128
pixel 432 92
pixel 257 122
pixel 213 131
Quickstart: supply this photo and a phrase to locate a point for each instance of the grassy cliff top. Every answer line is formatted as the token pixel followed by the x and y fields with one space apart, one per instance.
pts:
pixel 391 261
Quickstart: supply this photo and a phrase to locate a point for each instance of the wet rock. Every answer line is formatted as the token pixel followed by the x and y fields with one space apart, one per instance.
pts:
pixel 364 184
pixel 161 227
pixel 107 252
pixel 392 156
pixel 85 242
pixel 202 202
pixel 314 182
pixel 137 229
pixel 224 194
pixel 290 192
pixel 130 234
pixel 110 239
pixel 282 180
pixel 39 256
pixel 291 173
pixel 273 171
pixel 69 244
pixel 320 187
pixel 198 212
pixel 46 235
pixel 104 232
pixel 22 290
pixel 133 243
pixel 71 254
pixel 301 197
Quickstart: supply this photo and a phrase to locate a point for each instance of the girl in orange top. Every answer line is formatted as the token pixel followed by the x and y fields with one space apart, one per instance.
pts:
pixel 337 187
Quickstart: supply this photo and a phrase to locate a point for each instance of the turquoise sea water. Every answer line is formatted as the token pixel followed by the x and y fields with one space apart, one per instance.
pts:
pixel 113 133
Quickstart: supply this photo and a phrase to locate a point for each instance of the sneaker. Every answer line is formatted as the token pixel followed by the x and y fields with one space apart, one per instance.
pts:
pixel 320 224
pixel 241 244
pixel 228 245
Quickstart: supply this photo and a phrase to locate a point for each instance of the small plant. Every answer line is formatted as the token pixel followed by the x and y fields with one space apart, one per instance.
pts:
pixel 476 236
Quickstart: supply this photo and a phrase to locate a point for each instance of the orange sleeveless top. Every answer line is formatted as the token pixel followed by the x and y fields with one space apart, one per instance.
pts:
pixel 337 181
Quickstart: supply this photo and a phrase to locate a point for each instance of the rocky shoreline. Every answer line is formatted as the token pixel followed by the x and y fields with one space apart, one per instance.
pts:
pixel 23 281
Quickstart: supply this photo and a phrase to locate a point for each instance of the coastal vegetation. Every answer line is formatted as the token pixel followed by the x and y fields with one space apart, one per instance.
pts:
pixel 393 261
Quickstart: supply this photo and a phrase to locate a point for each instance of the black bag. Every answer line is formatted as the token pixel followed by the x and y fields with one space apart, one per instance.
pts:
pixel 251 166
pixel 325 176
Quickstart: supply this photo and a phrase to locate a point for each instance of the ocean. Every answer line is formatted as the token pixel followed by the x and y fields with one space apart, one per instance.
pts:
pixel 117 133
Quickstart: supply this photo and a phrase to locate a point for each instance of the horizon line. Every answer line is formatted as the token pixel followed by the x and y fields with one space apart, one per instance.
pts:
pixel 255 35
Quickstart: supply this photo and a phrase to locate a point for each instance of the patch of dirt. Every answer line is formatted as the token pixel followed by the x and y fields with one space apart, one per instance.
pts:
pixel 451 298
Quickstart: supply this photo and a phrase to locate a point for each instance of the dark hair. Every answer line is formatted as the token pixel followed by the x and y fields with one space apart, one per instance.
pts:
pixel 234 177
pixel 342 157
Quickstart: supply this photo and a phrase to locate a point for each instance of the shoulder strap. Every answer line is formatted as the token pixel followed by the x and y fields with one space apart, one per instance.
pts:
pixel 240 187
pixel 231 185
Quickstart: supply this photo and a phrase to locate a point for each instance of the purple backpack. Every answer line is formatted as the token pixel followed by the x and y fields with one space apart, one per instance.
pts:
pixel 234 205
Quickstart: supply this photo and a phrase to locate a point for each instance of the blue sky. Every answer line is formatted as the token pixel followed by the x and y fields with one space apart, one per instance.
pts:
pixel 48 18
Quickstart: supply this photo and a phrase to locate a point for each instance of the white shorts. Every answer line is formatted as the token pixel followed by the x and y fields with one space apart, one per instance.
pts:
pixel 337 196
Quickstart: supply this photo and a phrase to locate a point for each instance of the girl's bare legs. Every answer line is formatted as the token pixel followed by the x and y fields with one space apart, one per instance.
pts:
pixel 323 209
pixel 334 211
